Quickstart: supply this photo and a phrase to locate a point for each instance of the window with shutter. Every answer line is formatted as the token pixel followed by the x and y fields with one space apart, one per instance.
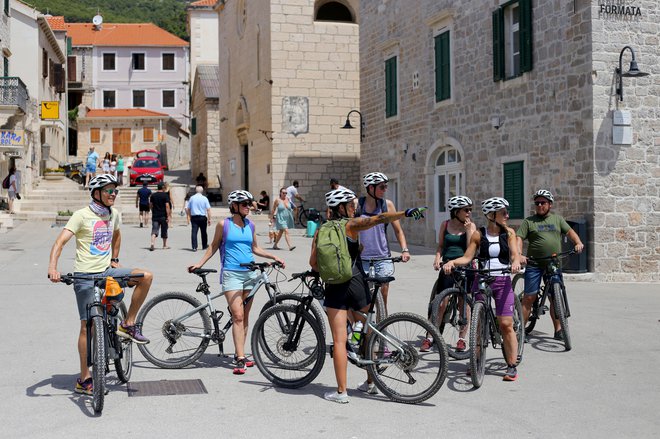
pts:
pixel 512 39
pixel 168 61
pixel 95 135
pixel 514 188
pixel 147 134
pixel 442 67
pixel 109 99
pixel 138 99
pixel 391 89
pixel 137 62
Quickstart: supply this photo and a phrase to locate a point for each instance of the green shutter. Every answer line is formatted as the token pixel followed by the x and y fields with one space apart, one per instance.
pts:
pixel 442 67
pixel 390 87
pixel 514 190
pixel 526 36
pixel 69 48
pixel 193 126
pixel 498 45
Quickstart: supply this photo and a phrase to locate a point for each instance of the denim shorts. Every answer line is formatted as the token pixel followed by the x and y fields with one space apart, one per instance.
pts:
pixel 84 288
pixel 533 276
pixel 239 280
pixel 382 268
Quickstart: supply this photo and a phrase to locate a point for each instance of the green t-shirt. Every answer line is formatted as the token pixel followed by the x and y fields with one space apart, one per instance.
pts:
pixel 543 234
pixel 93 239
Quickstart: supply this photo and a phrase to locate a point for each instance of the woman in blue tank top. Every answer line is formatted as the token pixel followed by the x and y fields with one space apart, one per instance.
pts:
pixel 236 238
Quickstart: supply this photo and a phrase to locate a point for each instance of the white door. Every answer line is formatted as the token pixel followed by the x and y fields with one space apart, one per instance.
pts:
pixel 448 182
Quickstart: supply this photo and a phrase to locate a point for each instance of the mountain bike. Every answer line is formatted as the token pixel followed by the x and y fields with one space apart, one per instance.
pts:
pixel 554 290
pixel 388 350
pixel 308 214
pixel 484 327
pixel 103 344
pixel 181 327
pixel 381 309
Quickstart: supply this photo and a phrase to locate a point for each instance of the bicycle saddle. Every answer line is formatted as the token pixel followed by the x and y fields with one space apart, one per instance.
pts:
pixel 380 280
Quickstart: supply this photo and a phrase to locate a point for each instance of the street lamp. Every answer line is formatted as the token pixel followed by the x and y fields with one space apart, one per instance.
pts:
pixel 633 72
pixel 348 126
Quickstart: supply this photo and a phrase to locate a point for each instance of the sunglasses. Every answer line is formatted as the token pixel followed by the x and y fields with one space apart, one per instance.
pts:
pixel 382 186
pixel 540 203
pixel 244 204
pixel 504 212
pixel 111 191
pixel 467 209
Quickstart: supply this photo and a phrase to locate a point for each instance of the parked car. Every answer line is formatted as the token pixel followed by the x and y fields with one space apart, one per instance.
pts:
pixel 147 153
pixel 146 169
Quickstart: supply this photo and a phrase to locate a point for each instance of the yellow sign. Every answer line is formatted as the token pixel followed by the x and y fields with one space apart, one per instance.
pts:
pixel 50 110
pixel 12 138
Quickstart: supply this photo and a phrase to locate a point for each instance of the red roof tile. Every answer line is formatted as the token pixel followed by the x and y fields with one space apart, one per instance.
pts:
pixel 56 23
pixel 124 112
pixel 122 34
pixel 204 3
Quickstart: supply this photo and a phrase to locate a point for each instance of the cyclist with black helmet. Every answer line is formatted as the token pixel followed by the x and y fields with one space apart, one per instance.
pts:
pixel 543 232
pixel 496 248
pixel 98 241
pixel 236 239
pixel 354 293
pixel 374 240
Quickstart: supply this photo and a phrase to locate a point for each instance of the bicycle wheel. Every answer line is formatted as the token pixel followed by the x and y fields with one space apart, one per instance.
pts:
pixel 295 364
pixel 98 366
pixel 478 343
pixel 560 314
pixel 381 310
pixel 518 285
pixel 451 323
pixel 124 346
pixel 294 299
pixel 400 371
pixel 173 346
pixel 302 217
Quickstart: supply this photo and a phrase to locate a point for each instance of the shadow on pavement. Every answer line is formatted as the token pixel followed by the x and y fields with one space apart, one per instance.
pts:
pixel 545 342
pixel 63 384
pixel 179 176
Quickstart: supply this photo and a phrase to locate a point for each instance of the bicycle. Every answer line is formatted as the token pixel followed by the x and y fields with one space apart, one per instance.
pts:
pixel 381 309
pixel 308 214
pixel 553 287
pixel 180 327
pixel 103 343
pixel 386 349
pixel 484 326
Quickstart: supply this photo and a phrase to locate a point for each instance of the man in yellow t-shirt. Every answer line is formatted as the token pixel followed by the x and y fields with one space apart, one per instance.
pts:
pixel 98 240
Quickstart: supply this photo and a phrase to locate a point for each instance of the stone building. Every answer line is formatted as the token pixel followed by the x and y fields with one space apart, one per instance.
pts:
pixel 501 98
pixel 288 77
pixel 205 144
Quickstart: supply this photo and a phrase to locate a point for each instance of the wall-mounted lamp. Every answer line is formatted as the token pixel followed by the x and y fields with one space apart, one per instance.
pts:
pixel 268 134
pixel 496 122
pixel 348 125
pixel 633 72
pixel 223 119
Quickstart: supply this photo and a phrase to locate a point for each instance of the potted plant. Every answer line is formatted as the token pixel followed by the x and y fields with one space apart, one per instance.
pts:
pixel 63 216
pixel 54 173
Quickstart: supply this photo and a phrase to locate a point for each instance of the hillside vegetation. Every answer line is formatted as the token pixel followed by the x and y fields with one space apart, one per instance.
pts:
pixel 168 14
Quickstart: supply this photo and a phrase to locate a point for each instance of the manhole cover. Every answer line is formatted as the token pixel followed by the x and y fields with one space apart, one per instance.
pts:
pixel 166 387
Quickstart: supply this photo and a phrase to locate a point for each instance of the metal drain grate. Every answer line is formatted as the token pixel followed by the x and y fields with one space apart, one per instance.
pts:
pixel 166 387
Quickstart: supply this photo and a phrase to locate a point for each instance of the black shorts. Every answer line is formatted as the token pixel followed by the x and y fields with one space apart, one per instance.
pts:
pixel 159 223
pixel 353 294
pixel 144 208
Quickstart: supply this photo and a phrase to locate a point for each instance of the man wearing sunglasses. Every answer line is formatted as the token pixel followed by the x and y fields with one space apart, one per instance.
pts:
pixel 98 240
pixel 543 232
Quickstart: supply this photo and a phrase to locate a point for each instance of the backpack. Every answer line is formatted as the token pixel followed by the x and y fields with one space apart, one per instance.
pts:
pixel 380 203
pixel 5 182
pixel 332 256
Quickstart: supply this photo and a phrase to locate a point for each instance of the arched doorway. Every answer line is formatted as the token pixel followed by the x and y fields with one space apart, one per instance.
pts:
pixel 448 179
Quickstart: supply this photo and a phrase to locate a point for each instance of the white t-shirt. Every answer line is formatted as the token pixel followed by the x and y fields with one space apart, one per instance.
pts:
pixel 291 193
pixel 13 184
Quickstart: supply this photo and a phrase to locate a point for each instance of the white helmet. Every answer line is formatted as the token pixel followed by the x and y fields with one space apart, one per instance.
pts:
pixel 239 196
pixel 458 202
pixel 493 205
pixel 374 178
pixel 338 196
pixel 101 181
pixel 545 194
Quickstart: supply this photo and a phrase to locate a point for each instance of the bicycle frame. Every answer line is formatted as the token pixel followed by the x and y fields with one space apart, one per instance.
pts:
pixel 552 275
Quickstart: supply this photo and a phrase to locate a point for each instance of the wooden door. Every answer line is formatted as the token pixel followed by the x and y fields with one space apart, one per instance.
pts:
pixel 121 141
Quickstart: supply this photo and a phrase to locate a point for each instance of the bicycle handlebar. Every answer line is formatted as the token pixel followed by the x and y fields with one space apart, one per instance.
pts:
pixel 253 266
pixel 484 271
pixel 69 277
pixel 305 275
pixel 392 258
pixel 552 256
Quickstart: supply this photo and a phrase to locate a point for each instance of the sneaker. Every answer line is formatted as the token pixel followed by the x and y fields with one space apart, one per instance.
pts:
pixel 84 387
pixel 132 332
pixel 341 398
pixel 368 387
pixel 426 345
pixel 240 367
pixel 247 361
pixel 460 345
pixel 511 373
pixel 559 335
pixel 141 225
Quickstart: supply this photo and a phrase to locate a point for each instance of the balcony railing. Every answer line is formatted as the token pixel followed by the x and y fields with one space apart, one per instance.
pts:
pixel 13 92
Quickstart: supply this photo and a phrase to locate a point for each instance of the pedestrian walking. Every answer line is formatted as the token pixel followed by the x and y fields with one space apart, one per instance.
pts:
pixel 199 212
pixel 161 215
pixel 142 202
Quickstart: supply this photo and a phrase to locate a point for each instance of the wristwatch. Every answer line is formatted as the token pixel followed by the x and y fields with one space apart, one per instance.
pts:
pixel 405 250
pixel 114 260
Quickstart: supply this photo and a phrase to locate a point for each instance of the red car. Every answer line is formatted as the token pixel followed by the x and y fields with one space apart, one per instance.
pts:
pixel 146 169
pixel 147 154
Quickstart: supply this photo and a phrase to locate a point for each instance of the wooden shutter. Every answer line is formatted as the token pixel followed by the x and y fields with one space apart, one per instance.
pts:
pixel 514 190
pixel 71 68
pixel 58 78
pixel 121 141
pixel 95 135
pixel 442 67
pixel 390 87
pixel 526 36
pixel 498 45
pixel 148 134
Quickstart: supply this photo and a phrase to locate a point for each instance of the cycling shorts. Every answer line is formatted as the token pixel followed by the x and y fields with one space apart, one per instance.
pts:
pixel 353 294
pixel 84 288
pixel 503 295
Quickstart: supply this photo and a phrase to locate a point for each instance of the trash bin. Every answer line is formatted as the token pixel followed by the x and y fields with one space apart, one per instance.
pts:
pixel 311 228
pixel 576 263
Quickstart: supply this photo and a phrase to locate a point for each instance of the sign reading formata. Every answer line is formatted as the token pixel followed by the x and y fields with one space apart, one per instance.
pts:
pixel 619 8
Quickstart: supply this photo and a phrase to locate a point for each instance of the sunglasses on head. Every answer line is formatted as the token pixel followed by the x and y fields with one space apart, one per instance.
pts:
pixel 540 203
pixel 111 191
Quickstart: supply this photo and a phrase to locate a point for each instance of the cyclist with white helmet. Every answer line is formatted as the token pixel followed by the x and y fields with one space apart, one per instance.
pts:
pixel 496 248
pixel 374 240
pixel 453 239
pixel 236 239
pixel 543 232
pixel 98 241
pixel 354 293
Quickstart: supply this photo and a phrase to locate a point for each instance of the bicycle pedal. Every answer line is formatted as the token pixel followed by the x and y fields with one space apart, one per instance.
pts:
pixel 543 309
pixel 331 350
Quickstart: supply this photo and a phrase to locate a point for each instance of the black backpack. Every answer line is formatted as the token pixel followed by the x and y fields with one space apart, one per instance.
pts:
pixel 5 182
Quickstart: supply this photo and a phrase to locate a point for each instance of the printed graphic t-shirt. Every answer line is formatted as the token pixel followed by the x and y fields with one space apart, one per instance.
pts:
pixel 543 234
pixel 93 239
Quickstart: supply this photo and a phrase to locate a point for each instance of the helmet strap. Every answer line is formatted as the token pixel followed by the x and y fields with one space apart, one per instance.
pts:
pixel 374 194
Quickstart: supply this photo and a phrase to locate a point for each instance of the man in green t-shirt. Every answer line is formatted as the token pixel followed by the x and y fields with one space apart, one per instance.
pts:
pixel 98 239
pixel 543 232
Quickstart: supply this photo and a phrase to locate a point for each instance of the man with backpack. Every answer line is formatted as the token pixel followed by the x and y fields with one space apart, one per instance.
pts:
pixel 335 251
pixel 374 241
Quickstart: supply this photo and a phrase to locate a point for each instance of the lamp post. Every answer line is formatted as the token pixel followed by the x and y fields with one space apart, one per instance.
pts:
pixel 348 125
pixel 633 71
